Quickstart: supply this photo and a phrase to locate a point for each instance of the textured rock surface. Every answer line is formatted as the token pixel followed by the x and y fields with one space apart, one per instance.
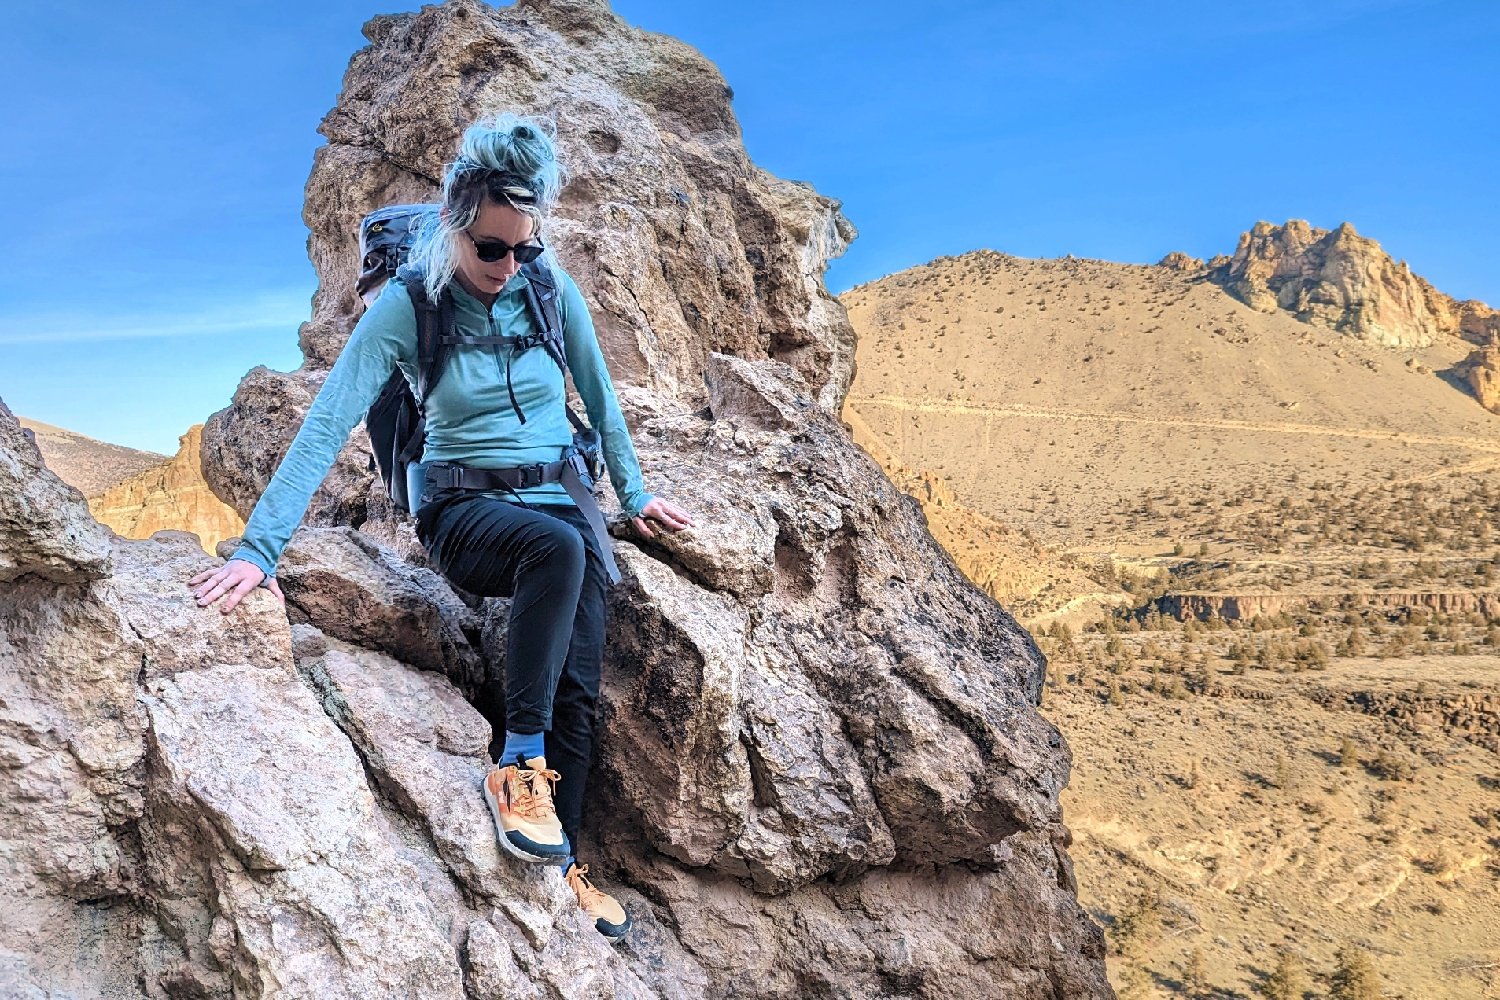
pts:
pixel 45 528
pixel 821 769
pixel 184 814
pixel 352 588
pixel 171 496
pixel 1346 282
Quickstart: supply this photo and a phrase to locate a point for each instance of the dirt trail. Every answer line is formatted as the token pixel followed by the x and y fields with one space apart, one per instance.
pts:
pixel 921 405
pixel 1101 597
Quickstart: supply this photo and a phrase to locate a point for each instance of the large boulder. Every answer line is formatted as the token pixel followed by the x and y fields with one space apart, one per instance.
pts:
pixel 209 805
pixel 821 769
pixel 45 527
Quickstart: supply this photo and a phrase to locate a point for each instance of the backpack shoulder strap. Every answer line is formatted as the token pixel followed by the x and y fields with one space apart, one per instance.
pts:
pixel 433 320
pixel 541 300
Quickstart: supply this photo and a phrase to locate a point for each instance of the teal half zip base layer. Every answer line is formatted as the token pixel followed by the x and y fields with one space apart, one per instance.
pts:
pixel 471 419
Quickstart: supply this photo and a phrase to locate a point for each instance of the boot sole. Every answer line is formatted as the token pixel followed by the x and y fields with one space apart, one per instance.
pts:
pixel 504 841
pixel 613 938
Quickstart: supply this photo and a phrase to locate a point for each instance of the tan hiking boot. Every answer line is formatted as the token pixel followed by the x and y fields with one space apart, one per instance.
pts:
pixel 520 800
pixel 610 918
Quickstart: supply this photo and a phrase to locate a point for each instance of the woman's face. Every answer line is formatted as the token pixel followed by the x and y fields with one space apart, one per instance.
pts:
pixel 496 221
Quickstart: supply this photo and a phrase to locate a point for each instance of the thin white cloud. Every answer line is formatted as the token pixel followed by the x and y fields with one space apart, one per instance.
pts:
pixel 234 314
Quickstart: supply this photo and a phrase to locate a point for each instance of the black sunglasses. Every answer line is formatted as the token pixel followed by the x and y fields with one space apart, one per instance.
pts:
pixel 491 251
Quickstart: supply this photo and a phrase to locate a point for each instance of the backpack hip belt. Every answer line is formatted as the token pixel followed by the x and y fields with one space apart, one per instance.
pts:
pixel 572 471
pixel 445 475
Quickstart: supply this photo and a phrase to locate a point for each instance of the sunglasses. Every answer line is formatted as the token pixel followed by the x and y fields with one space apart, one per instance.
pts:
pixel 491 251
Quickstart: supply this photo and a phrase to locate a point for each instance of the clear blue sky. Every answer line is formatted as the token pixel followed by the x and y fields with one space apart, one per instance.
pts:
pixel 153 165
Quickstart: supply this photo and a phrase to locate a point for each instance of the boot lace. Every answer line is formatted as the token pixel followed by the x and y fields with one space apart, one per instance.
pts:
pixel 534 792
pixel 587 894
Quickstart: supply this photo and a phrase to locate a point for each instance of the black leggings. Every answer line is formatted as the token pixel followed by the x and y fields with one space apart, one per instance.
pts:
pixel 548 559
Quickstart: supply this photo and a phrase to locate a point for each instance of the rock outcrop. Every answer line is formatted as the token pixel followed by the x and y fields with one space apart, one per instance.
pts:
pixel 1179 261
pixel 170 496
pixel 184 813
pixel 1346 282
pixel 1481 369
pixel 821 769
pixel 1243 607
pixel 1473 715
pixel 45 528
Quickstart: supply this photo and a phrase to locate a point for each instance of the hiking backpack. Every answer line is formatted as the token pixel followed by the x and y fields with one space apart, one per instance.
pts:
pixel 396 420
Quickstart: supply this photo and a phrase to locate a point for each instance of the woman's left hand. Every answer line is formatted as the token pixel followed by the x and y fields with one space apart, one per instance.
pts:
pixel 663 512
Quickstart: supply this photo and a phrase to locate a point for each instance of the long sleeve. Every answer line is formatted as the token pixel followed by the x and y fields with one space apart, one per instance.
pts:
pixel 591 376
pixel 384 335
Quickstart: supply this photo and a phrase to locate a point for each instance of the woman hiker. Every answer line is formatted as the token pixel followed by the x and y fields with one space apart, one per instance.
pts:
pixel 531 541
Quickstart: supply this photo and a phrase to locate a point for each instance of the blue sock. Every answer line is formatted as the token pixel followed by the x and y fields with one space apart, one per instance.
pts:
pixel 528 745
pixel 569 862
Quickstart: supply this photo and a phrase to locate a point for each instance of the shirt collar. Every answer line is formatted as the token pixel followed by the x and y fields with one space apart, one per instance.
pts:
pixel 515 286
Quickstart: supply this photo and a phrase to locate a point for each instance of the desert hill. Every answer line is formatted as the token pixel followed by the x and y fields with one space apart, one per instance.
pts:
pixel 86 464
pixel 1047 367
pixel 1033 581
pixel 1264 504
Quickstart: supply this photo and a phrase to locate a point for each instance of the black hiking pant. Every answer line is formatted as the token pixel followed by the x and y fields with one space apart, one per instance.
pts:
pixel 547 559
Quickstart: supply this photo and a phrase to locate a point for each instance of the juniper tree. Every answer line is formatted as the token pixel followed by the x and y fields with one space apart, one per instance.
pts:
pixel 1348 753
pixel 1354 976
pixel 1288 981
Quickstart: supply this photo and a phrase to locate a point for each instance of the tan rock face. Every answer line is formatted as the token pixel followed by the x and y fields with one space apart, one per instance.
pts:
pixel 821 768
pixel 1179 261
pixel 171 496
pixel 1482 370
pixel 1346 282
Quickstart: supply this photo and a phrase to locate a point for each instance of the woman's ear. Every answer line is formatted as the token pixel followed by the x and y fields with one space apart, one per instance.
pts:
pixel 443 214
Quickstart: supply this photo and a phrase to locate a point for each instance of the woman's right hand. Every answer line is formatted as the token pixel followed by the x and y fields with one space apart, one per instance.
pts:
pixel 235 578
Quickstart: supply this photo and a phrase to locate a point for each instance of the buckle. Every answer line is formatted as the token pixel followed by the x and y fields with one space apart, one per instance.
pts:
pixel 527 471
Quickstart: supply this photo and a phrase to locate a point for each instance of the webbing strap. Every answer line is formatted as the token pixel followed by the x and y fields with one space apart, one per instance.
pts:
pixel 447 474
pixel 590 507
pixel 504 340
